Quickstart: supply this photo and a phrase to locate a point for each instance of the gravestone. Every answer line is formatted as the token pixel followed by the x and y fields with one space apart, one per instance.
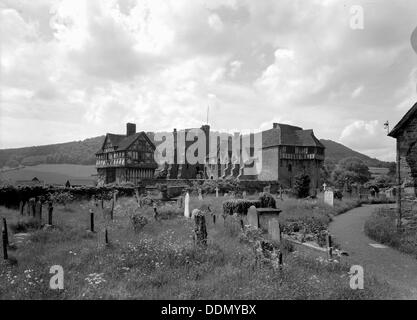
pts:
pixel 187 205
pixel 244 194
pixel 32 203
pixel 28 208
pixel 200 196
pixel 38 211
pixel 21 207
pixel 200 228
pixel 253 218
pixel 217 192
pixel 195 212
pixel 329 197
pixel 274 230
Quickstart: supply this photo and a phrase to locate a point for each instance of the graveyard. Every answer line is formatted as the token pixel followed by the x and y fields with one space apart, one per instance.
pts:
pixel 133 247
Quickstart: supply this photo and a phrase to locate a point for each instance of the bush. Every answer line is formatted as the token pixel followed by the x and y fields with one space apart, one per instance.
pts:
pixel 24 225
pixel 239 206
pixel 267 200
pixel 138 222
pixel 302 185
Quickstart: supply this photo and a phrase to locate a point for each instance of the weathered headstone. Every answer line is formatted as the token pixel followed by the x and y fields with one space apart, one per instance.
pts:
pixel 6 234
pixel 38 211
pixel 200 195
pixel 50 211
pixel 187 205
pixel 91 220
pixel 274 229
pixel 195 212
pixel 200 229
pixel 244 194
pixel 28 208
pixel 21 207
pixel 217 192
pixel 253 218
pixel 155 212
pixel 329 197
pixel 32 204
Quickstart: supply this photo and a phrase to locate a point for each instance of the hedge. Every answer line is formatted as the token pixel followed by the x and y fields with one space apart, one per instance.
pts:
pixel 10 196
pixel 239 206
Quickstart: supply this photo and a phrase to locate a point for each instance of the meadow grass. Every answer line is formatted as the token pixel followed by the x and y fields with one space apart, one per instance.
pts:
pixel 162 262
pixel 381 226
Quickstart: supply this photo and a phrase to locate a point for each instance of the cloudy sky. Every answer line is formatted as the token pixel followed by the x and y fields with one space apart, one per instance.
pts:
pixel 76 69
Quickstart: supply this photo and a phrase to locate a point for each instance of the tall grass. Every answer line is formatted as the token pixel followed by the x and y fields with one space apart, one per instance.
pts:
pixel 162 262
pixel 381 226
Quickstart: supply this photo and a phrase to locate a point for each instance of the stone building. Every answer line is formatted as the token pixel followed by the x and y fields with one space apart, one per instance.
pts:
pixel 125 157
pixel 405 132
pixel 288 151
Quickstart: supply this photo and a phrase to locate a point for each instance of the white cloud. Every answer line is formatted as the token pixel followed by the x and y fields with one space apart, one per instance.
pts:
pixel 93 64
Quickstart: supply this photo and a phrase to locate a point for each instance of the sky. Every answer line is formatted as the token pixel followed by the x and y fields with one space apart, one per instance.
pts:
pixel 76 69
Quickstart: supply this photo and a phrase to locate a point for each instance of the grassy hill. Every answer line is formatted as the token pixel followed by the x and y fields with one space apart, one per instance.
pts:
pixel 83 153
pixel 336 151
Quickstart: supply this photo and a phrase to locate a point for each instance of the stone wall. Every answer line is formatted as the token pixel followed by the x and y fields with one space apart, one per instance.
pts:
pixel 407 152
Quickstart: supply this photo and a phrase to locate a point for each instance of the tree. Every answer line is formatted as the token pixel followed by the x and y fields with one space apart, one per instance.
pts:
pixel 392 169
pixel 326 170
pixel 350 170
pixel 302 185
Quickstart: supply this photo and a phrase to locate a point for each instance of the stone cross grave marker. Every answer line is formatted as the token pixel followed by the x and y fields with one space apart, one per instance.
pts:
pixel 253 218
pixel 274 229
pixel 187 205
pixel 329 197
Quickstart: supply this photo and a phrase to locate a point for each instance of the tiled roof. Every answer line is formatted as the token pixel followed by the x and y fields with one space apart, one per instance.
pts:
pixel 412 113
pixel 285 134
pixel 123 142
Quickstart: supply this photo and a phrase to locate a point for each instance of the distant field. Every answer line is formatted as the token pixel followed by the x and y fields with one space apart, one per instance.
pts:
pixel 50 173
pixel 378 171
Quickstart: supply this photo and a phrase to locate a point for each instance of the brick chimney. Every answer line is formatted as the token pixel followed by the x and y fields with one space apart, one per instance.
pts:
pixel 130 129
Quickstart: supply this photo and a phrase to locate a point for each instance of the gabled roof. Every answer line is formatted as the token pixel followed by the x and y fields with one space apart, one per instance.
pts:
pixel 412 113
pixel 122 142
pixel 284 134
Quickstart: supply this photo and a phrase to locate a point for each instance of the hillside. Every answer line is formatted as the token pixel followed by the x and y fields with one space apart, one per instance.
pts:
pixel 336 151
pixel 83 152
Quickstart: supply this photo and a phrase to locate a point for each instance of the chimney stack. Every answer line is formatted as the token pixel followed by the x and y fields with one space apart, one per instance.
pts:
pixel 130 129
pixel 275 125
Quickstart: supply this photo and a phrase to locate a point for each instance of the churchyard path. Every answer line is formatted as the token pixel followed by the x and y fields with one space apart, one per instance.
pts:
pixel 398 269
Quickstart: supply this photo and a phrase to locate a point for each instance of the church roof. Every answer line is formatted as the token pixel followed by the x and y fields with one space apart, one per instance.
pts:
pixel 412 113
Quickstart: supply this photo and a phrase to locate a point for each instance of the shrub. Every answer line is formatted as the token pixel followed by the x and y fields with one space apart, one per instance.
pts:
pixel 239 206
pixel 24 225
pixel 138 221
pixel 267 200
pixel 302 185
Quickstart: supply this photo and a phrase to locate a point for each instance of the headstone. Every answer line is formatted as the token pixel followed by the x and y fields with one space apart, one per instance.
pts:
pixel 253 218
pixel 50 210
pixel 195 212
pixel 187 205
pixel 32 203
pixel 217 192
pixel 200 228
pixel 21 207
pixel 274 230
pixel 200 196
pixel 329 197
pixel 28 208
pixel 155 212
pixel 38 211
pixel 244 194
pixel 324 186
